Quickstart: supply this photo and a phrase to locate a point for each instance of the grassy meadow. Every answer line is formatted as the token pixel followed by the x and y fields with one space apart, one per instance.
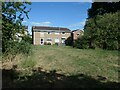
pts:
pixel 60 66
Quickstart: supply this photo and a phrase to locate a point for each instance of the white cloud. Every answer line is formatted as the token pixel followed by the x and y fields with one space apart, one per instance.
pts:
pixel 41 23
pixel 24 21
pixel 82 23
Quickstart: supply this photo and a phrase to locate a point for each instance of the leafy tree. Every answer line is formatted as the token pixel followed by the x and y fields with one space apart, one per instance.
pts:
pixel 27 38
pixel 100 8
pixel 107 30
pixel 101 28
pixel 90 32
pixel 81 43
pixel 12 15
pixel 69 41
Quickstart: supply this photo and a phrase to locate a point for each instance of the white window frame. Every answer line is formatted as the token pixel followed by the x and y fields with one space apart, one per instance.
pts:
pixel 57 39
pixel 64 39
pixel 64 33
pixel 40 41
pixel 57 33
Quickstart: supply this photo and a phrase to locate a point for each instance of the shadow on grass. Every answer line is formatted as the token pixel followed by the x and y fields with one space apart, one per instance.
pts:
pixel 43 79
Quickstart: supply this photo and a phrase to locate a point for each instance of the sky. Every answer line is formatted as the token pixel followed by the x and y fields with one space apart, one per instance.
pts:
pixel 70 15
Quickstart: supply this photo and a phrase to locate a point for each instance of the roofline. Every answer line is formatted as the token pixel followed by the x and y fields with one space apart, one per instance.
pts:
pixel 50 27
pixel 77 30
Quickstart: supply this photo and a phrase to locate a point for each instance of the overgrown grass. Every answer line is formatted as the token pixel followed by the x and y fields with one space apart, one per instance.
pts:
pixel 29 62
pixel 72 61
pixel 69 61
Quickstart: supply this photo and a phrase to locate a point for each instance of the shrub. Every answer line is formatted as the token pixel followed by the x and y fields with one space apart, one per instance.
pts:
pixel 81 43
pixel 49 43
pixel 112 45
pixel 27 38
pixel 56 44
pixel 102 31
pixel 14 47
pixel 24 47
pixel 69 41
pixel 45 43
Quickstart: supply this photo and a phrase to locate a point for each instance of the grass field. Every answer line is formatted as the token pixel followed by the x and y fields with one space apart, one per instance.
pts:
pixel 94 65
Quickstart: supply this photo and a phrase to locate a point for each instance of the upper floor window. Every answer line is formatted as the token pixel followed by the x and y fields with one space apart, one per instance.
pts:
pixel 49 32
pixel 56 32
pixel 49 39
pixel 78 34
pixel 42 34
pixel 63 32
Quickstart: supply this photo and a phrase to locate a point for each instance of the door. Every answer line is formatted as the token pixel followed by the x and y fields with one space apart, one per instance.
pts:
pixel 42 41
pixel 63 40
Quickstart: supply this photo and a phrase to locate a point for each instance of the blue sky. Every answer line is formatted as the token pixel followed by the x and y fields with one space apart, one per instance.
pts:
pixel 71 15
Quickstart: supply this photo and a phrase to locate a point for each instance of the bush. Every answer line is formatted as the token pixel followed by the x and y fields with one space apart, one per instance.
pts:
pixel 56 44
pixel 112 45
pixel 102 31
pixel 81 43
pixel 27 39
pixel 49 43
pixel 45 43
pixel 24 47
pixel 69 41
pixel 14 47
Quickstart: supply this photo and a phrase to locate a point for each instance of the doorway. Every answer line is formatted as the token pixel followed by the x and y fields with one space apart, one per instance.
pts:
pixel 41 41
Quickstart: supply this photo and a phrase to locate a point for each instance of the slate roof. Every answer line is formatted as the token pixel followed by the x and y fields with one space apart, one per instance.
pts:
pixel 46 28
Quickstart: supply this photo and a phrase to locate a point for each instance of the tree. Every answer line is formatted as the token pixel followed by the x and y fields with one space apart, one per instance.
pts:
pixel 102 25
pixel 100 8
pixel 69 41
pixel 28 39
pixel 12 16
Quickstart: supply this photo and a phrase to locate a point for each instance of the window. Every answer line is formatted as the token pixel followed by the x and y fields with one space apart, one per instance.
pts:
pixel 56 32
pixel 42 41
pixel 63 32
pixel 78 34
pixel 49 32
pixel 42 34
pixel 56 40
pixel 49 39
pixel 63 39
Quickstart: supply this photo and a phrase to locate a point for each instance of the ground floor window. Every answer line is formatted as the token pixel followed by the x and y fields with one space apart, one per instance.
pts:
pixel 63 40
pixel 56 40
pixel 49 39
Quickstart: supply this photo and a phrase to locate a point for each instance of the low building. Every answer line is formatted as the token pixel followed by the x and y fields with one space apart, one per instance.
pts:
pixel 42 35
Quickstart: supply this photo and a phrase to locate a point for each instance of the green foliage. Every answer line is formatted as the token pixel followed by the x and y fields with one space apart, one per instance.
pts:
pixel 107 31
pixel 12 16
pixel 100 8
pixel 27 38
pixel 45 43
pixel 48 43
pixel 56 44
pixel 14 47
pixel 81 43
pixel 69 41
pixel 101 28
